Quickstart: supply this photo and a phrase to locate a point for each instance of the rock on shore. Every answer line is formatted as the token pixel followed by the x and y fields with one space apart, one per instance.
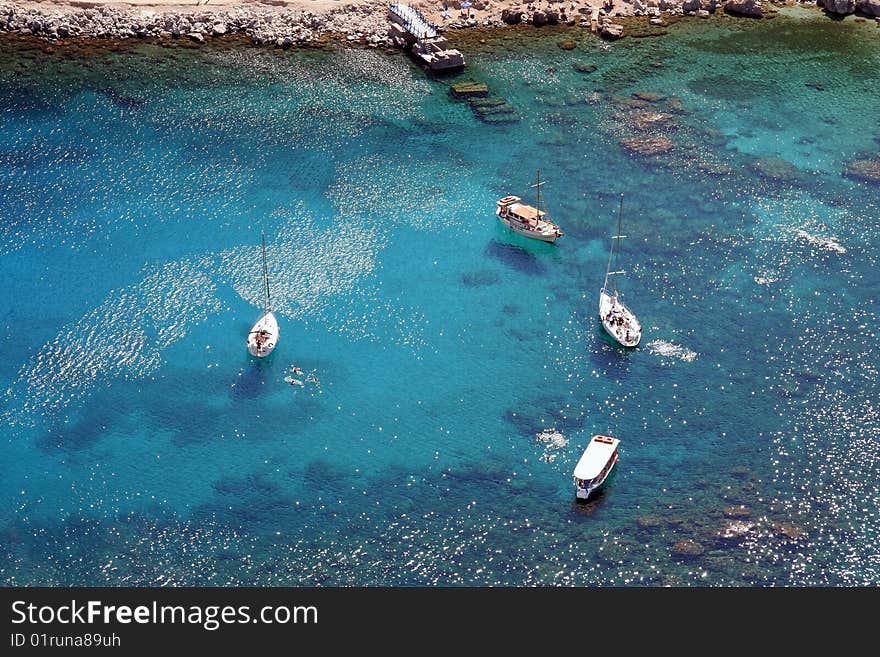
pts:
pixel 611 31
pixel 751 8
pixel 869 7
pixel 844 7
pixel 511 16
pixel 838 6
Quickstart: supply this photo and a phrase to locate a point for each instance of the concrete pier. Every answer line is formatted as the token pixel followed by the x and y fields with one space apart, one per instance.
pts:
pixel 423 38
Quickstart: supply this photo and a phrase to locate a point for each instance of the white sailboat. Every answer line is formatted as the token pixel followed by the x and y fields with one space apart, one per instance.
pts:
pixel 263 336
pixel 618 320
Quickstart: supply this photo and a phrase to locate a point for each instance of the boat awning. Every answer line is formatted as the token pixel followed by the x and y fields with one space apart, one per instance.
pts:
pixel 527 211
pixel 595 457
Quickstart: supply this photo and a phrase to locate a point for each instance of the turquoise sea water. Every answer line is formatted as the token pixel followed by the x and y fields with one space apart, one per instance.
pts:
pixel 142 445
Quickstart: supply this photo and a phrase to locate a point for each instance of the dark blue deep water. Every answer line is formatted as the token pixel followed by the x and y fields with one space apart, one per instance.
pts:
pixel 462 368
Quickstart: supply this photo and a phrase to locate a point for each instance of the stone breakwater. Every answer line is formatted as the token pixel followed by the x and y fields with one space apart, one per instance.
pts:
pixel 365 22
pixel 274 26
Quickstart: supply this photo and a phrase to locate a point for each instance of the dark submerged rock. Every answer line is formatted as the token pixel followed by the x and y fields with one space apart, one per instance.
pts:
pixel 648 120
pixel 775 168
pixel 687 548
pixel 867 170
pixel 584 67
pixel 647 145
pixel 649 96
pixel 788 530
pixel 733 530
pixel 649 521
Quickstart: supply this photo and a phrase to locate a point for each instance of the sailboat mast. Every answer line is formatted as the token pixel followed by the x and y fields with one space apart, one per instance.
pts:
pixel 538 200
pixel 266 276
pixel 608 268
pixel 617 250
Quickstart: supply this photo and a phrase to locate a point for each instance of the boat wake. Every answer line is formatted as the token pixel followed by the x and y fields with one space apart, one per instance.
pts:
pixel 553 441
pixel 671 350
pixel 826 243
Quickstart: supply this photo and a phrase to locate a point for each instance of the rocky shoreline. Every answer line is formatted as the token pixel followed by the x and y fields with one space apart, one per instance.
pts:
pixel 282 27
pixel 363 22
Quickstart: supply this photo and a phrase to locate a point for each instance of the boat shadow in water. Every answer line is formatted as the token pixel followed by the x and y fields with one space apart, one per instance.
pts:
pixel 256 374
pixel 590 505
pixel 515 257
pixel 608 355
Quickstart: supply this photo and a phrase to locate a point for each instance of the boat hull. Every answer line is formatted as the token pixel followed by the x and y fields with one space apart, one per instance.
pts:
pixel 518 228
pixel 263 336
pixel 619 321
pixel 586 493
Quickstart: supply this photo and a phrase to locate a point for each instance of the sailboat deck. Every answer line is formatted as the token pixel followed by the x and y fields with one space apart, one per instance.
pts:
pixel 527 212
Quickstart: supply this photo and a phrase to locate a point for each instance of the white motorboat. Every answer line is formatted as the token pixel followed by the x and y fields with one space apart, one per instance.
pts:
pixel 527 220
pixel 595 465
pixel 619 321
pixel 263 336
